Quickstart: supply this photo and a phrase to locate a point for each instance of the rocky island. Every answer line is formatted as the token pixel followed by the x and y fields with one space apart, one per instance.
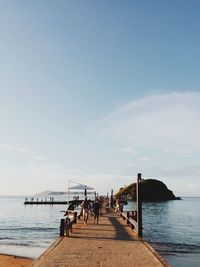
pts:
pixel 151 190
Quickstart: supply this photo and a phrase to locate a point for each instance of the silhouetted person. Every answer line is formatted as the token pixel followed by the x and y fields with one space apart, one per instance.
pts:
pixel 96 209
pixel 86 208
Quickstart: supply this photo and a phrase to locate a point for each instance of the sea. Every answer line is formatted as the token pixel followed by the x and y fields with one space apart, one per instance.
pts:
pixel 171 227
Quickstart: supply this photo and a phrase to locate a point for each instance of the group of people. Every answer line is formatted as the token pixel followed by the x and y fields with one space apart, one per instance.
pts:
pixel 93 208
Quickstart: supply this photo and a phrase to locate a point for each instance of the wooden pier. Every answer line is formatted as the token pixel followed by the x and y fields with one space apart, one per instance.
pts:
pixel 110 243
pixel 37 202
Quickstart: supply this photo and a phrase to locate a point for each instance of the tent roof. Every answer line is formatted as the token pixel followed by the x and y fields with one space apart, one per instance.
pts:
pixel 81 187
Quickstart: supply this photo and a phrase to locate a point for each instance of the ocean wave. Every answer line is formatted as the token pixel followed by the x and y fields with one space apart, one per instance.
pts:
pixel 38 229
pixel 29 243
pixel 6 237
pixel 176 248
pixel 17 244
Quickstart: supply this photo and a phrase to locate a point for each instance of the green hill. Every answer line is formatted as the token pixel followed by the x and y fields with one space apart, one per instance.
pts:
pixel 151 190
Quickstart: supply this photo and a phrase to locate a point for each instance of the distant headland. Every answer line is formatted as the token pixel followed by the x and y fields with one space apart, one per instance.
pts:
pixel 151 190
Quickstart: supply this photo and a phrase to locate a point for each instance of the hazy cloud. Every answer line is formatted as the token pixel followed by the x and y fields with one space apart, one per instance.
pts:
pixel 14 147
pixel 160 122
pixel 129 150
pixel 23 150
pixel 40 157
pixel 160 135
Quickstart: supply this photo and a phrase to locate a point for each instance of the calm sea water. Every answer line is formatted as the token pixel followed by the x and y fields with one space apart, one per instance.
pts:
pixel 27 230
pixel 172 227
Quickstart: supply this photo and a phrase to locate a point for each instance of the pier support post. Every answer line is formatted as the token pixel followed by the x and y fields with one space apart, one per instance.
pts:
pixel 139 205
pixel 111 198
pixel 62 227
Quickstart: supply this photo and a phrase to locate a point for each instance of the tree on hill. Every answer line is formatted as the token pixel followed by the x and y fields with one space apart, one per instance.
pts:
pixel 151 190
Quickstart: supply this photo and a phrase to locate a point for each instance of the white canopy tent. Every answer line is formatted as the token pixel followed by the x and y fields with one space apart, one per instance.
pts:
pixel 81 187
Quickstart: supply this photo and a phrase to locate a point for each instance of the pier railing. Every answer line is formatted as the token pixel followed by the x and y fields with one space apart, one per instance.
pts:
pixel 134 218
pixel 131 219
pixel 66 224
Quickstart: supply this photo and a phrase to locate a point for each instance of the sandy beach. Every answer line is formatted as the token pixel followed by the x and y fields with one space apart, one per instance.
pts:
pixel 14 261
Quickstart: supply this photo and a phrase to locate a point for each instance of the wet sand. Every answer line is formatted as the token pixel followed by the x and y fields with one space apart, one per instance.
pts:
pixel 14 261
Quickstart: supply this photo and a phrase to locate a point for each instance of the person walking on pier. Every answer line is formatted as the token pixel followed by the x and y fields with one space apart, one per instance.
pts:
pixel 96 209
pixel 86 207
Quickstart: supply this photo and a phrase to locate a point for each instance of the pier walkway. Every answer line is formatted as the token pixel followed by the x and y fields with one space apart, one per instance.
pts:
pixel 111 243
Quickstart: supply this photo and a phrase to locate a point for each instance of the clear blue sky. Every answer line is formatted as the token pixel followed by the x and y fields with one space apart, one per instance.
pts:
pixel 97 91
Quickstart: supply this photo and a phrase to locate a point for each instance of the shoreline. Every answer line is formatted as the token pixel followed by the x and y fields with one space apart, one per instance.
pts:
pixel 8 260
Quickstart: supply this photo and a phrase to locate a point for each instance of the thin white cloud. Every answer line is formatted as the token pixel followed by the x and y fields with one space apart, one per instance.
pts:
pixel 184 152
pixel 14 147
pixel 129 150
pixel 163 133
pixel 40 157
pixel 161 122
pixel 191 185
pixel 48 168
pixel 145 158
pixel 23 150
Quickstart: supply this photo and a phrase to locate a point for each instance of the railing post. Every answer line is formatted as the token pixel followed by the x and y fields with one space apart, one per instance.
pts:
pixel 135 215
pixel 128 216
pixel 75 217
pixel 62 227
pixel 139 205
